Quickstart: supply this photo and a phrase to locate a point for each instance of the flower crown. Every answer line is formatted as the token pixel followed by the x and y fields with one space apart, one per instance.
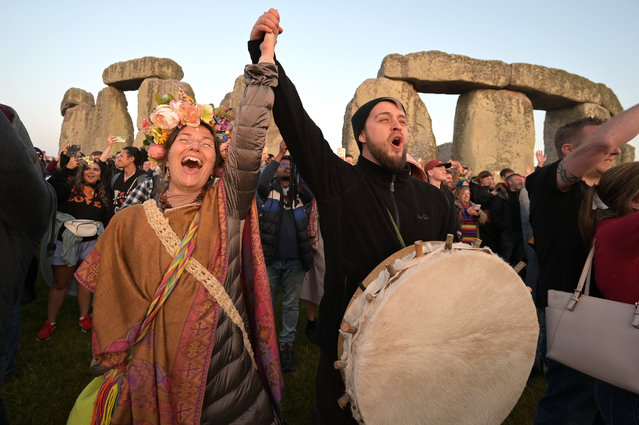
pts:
pixel 172 113
pixel 88 160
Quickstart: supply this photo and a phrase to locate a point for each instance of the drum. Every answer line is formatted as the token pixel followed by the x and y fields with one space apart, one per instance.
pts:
pixel 441 335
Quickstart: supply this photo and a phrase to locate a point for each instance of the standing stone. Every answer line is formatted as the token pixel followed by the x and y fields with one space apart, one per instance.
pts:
pixel 627 154
pixel 76 127
pixel 558 117
pixel 232 100
pixel 445 152
pixel 110 117
pixel 146 100
pixel 128 75
pixel 438 72
pixel 90 126
pixel 494 129
pixel 74 97
pixel 421 140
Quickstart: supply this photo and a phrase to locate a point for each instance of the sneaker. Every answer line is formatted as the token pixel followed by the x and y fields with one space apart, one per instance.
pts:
pixel 46 331
pixel 85 323
pixel 287 358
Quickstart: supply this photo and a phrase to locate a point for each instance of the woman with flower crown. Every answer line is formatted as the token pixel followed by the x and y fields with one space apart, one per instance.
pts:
pixel 183 319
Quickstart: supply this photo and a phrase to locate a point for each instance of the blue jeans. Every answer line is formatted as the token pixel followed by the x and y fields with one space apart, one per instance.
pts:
pixel 289 275
pixel 617 406
pixel 570 397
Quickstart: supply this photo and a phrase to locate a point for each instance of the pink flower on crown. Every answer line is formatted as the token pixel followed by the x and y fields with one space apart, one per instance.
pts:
pixel 190 114
pixel 224 124
pixel 146 126
pixel 165 117
pixel 157 152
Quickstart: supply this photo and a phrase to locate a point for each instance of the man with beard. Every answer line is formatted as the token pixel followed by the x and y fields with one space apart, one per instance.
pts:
pixel 285 242
pixel 367 211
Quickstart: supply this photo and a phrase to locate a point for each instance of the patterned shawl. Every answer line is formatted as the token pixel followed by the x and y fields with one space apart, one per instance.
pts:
pixel 166 380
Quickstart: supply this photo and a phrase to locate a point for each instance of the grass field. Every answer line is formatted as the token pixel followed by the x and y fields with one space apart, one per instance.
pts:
pixel 50 374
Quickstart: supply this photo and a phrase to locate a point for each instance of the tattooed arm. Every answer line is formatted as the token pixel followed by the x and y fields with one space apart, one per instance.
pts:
pixel 594 155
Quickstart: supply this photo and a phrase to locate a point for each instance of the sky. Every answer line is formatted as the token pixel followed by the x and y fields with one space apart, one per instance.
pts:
pixel 328 48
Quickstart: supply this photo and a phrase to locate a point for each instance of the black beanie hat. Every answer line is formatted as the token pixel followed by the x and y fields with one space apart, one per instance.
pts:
pixel 361 115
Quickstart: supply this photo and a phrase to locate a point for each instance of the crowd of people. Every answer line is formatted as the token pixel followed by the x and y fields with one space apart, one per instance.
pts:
pixel 226 226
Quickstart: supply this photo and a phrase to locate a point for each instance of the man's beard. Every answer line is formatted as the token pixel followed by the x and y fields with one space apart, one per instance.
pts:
pixel 392 164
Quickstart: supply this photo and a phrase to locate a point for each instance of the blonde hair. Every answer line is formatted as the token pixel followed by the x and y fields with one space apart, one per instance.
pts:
pixel 616 189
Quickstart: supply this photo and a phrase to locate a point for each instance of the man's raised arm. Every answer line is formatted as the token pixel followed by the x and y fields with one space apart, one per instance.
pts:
pixel 604 141
pixel 305 140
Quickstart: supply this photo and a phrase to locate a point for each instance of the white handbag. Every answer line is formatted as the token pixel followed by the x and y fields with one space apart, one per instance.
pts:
pixel 593 335
pixel 82 228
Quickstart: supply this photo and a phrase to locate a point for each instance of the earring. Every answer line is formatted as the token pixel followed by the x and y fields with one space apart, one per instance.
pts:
pixel 167 175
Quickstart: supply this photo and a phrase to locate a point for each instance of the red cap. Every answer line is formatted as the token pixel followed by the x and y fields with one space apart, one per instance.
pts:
pixel 436 163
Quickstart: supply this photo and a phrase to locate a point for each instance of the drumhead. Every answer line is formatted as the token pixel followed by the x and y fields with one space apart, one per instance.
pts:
pixel 451 340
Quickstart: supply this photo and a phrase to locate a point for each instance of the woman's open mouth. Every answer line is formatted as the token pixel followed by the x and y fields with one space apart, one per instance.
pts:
pixel 191 162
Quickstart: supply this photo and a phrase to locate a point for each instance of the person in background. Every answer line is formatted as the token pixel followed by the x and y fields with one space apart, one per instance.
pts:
pixel 129 163
pixel 27 204
pixel 450 180
pixel 586 149
pixel 41 159
pixel 285 241
pixel 609 217
pixel 436 174
pixel 470 215
pixel 81 195
pixel 95 155
pixel 349 158
pixel 541 159
pixel 504 174
pixel 459 171
pixel 483 191
pixel 506 217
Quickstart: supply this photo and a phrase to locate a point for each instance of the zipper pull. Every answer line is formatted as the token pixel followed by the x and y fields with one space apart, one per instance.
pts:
pixel 392 187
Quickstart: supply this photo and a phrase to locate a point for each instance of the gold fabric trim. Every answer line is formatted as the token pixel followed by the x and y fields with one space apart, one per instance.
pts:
pixel 171 243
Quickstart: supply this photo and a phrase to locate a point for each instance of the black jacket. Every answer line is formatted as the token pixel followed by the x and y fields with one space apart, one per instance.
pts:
pixel 272 214
pixel 355 207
